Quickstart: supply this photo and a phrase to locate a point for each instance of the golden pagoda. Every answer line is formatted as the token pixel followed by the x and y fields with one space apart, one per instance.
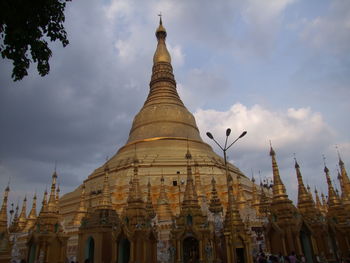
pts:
pixel 161 131
pixel 47 241
pixel 286 224
pixel 315 221
pixel 338 220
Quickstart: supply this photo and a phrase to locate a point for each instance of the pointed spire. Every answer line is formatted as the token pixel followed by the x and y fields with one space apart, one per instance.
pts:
pixel 51 206
pixel 163 208
pixel 3 211
pixel 333 199
pixel 106 201
pixel 163 103
pixel 233 221
pixel 241 200
pixel 82 210
pixel 162 53
pixel 32 216
pixel 57 197
pixel 324 204
pixel 22 220
pixel 215 205
pixel 14 225
pixel 255 197
pixel 345 182
pixel 318 201
pixel 44 204
pixel 149 205
pixel 190 195
pixel 304 200
pixel 278 188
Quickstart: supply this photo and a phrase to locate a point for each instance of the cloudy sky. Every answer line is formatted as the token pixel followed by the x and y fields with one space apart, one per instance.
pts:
pixel 279 69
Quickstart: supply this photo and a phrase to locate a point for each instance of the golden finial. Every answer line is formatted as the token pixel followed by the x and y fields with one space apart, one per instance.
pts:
pixel 162 53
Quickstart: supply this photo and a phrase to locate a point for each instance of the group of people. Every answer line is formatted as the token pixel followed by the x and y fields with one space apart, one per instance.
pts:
pixel 292 258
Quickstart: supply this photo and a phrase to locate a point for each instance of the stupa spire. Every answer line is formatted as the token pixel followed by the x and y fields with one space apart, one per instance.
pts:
pixel 190 196
pixel 318 201
pixel 3 211
pixel 344 179
pixel 32 216
pixel 215 205
pixel 333 199
pixel 255 197
pixel 324 203
pixel 163 209
pixel 149 205
pixel 233 219
pixel 82 210
pixel 106 201
pixel 51 206
pixel 22 220
pixel 303 195
pixel 44 204
pixel 163 115
pixel 278 188
pixel 241 200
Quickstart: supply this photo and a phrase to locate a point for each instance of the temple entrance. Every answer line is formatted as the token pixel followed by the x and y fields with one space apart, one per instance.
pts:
pixel 240 255
pixel 89 250
pixel 123 250
pixel 190 249
pixel 305 240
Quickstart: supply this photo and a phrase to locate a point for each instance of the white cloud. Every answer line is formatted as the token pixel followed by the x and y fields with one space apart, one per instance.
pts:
pixel 264 12
pixel 301 131
pixel 331 31
pixel 283 128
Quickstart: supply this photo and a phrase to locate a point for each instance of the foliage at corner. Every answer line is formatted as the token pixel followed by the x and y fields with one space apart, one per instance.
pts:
pixel 25 28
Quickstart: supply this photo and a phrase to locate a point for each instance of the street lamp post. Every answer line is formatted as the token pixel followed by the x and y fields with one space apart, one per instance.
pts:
pixel 225 148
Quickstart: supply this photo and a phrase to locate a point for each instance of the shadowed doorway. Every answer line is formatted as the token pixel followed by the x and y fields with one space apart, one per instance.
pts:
pixel 190 250
pixel 123 250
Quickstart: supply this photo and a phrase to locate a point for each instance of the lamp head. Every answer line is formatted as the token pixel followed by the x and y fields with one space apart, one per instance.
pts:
pixel 228 132
pixel 243 133
pixel 210 135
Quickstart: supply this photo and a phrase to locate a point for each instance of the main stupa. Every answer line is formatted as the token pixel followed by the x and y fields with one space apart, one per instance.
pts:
pixel 160 135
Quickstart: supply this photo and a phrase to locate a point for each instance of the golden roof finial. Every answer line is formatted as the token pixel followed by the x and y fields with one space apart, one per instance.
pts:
pixel 162 53
pixel 3 211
